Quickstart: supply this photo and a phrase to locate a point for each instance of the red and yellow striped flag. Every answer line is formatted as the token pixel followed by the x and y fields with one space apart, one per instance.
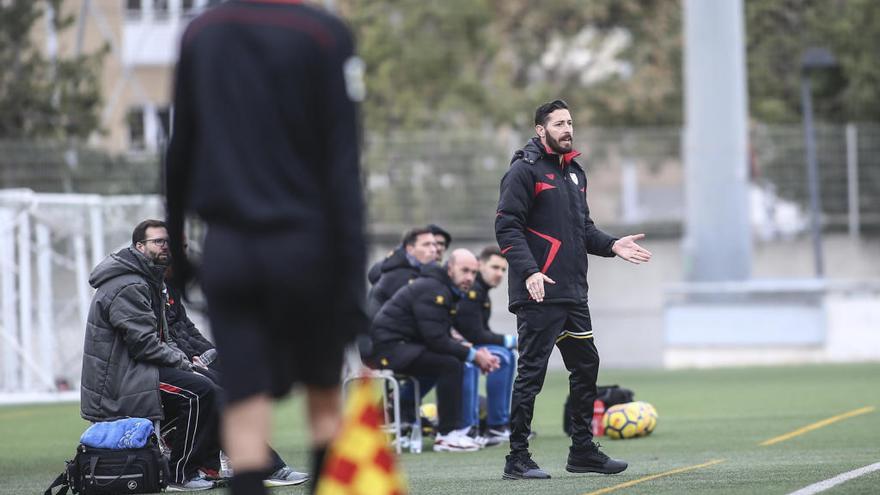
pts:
pixel 360 462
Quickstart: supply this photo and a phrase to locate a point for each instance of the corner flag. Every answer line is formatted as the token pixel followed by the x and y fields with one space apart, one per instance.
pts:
pixel 360 462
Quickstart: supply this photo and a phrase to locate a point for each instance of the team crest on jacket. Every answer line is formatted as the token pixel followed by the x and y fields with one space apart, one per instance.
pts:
pixel 439 299
pixel 472 294
pixel 574 177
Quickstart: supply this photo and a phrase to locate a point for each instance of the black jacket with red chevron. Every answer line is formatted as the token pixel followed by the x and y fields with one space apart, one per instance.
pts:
pixel 543 224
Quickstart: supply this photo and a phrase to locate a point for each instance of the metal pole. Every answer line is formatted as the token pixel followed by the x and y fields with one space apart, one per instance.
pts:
pixel 82 276
pixel 45 322
pixel 9 320
pixel 812 176
pixel 25 299
pixel 852 179
pixel 96 225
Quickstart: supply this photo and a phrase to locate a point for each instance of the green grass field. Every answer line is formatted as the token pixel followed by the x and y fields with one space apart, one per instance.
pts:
pixel 705 415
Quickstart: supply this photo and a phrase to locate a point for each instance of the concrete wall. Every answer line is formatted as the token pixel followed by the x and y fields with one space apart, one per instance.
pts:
pixel 627 301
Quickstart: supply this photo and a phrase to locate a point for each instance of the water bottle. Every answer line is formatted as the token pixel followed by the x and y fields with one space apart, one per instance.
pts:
pixel 415 438
pixel 208 356
pixel 598 424
pixel 225 468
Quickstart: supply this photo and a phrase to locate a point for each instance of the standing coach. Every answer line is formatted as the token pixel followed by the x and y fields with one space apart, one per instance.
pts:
pixel 544 229
pixel 265 151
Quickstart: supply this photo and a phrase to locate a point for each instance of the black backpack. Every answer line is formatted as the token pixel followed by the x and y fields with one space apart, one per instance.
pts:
pixel 96 471
pixel 611 395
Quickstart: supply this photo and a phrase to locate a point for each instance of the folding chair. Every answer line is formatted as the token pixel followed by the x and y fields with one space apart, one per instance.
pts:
pixel 391 384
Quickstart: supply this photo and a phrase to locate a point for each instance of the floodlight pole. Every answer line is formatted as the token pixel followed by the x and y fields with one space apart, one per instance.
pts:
pixel 812 176
pixel 814 58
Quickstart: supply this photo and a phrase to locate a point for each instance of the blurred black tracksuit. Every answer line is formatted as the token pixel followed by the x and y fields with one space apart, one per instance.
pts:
pixel 543 224
pixel 190 340
pixel 265 149
pixel 411 335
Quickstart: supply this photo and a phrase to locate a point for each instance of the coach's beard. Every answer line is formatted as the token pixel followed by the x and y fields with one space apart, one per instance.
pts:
pixel 562 146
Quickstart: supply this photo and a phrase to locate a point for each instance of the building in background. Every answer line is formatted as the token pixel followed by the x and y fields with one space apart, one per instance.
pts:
pixel 137 74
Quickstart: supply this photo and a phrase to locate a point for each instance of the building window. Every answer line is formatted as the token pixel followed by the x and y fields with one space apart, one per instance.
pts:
pixel 136 130
pixel 188 7
pixel 160 10
pixel 164 114
pixel 133 9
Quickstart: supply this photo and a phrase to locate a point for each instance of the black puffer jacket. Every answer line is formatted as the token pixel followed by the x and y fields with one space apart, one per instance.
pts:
pixel 375 271
pixel 396 272
pixel 418 317
pixel 183 331
pixel 472 318
pixel 126 340
pixel 543 224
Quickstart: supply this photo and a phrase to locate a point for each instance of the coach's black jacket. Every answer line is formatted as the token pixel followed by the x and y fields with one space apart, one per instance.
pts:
pixel 417 318
pixel 472 317
pixel 396 271
pixel 543 224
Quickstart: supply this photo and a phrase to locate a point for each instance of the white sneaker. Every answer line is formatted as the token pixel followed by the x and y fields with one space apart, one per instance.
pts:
pixel 192 485
pixel 455 441
pixel 286 476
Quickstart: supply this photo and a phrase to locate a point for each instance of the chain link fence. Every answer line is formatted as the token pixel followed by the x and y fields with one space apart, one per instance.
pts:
pixel 635 177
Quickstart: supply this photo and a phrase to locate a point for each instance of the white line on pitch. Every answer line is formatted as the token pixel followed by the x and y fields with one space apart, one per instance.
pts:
pixel 840 478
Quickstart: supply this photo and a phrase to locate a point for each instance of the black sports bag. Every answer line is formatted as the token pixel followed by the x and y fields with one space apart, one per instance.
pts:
pixel 107 471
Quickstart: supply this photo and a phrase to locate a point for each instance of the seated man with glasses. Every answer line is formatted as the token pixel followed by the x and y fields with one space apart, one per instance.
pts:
pixel 131 365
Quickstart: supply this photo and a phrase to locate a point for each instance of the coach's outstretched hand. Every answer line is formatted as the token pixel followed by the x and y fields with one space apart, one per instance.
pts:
pixel 626 248
pixel 535 285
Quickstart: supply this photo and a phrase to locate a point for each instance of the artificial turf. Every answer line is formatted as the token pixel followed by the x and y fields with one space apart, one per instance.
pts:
pixel 704 415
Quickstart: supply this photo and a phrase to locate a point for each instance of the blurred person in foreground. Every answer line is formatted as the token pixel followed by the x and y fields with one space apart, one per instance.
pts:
pixel 411 335
pixel 265 150
pixel 202 353
pixel 543 227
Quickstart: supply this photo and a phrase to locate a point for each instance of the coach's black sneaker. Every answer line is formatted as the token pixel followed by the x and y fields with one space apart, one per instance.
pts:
pixel 590 459
pixel 520 466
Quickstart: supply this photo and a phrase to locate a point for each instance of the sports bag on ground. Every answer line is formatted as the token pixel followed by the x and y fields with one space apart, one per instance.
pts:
pixel 610 395
pixel 95 471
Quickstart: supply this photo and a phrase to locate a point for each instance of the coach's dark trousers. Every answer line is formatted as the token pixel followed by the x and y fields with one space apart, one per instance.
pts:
pixel 540 327
pixel 190 400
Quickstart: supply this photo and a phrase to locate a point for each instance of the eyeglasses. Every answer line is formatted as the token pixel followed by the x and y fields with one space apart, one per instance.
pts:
pixel 159 242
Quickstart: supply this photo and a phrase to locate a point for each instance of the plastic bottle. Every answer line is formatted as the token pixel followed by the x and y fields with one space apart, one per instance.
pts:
pixel 598 424
pixel 415 438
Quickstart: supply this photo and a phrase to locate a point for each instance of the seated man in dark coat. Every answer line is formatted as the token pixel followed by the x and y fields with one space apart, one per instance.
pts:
pixel 402 266
pixel 411 336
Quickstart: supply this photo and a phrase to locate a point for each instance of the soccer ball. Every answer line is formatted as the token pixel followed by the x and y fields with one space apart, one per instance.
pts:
pixel 624 420
pixel 649 418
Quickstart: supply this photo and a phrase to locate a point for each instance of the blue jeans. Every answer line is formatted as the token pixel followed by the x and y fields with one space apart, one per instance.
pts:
pixel 499 386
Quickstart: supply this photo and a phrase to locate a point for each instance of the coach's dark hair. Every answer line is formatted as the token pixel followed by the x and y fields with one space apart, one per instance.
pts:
pixel 490 251
pixel 546 109
pixel 140 232
pixel 410 236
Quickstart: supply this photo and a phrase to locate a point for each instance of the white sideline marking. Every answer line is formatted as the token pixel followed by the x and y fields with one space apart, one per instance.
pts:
pixel 840 478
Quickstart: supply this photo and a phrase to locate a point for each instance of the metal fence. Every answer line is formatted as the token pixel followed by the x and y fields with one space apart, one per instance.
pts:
pixel 635 177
